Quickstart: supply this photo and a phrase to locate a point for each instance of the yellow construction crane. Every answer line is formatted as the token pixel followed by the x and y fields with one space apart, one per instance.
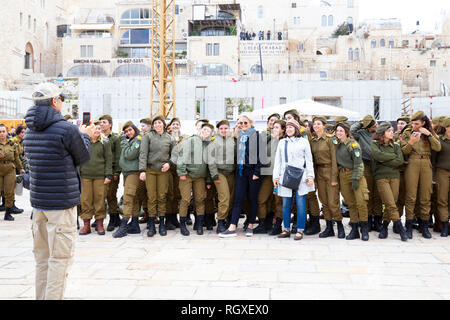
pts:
pixel 163 59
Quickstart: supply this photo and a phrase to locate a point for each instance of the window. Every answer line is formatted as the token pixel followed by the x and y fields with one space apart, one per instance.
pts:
pixel 374 43
pixel 283 100
pixel 299 64
pixel 376 107
pixel 136 16
pixel 350 4
pixel 29 22
pixel 357 54
pixel 87 51
pixel 21 19
pixel 27 60
pixel 216 49
pixel 350 54
pixel 136 52
pixel 132 70
pixel 432 63
pixel 34 26
pixel 301 46
pixel 256 68
pixel 296 20
pixel 382 43
pixel 383 61
pixel 260 12
pixel 43 4
pixel 136 36
pixel 324 21
pixel 391 43
pixel 177 9
pixel 86 70
pixel 330 21
pixel 209 49
pixel 62 30
pixel 323 74
pixel 294 5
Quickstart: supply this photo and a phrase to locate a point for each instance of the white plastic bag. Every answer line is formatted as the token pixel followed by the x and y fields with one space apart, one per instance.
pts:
pixel 19 189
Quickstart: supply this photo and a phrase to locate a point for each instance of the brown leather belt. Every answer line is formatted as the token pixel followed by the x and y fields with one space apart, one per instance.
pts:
pixel 345 169
pixel 419 156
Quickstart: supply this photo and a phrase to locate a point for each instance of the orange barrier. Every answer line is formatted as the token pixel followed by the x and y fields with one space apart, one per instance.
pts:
pixel 12 123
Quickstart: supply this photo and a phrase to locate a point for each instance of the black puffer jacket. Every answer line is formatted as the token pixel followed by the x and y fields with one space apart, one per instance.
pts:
pixel 54 148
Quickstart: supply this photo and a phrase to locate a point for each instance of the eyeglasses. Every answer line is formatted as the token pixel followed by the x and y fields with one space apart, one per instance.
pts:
pixel 61 98
pixel 243 122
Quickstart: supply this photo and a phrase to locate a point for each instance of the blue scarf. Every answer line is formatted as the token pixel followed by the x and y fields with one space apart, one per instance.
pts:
pixel 243 137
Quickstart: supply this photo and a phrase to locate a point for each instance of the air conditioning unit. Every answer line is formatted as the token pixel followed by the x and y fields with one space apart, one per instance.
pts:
pixel 184 35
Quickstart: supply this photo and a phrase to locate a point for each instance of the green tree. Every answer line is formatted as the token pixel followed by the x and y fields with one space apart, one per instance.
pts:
pixel 341 30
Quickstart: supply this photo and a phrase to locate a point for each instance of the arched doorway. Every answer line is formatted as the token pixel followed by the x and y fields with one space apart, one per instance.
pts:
pixel 29 57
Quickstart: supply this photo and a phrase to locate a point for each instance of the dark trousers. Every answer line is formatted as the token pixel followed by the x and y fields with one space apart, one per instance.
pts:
pixel 245 187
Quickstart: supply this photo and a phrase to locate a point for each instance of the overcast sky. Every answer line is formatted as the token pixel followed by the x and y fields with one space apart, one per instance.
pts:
pixel 428 12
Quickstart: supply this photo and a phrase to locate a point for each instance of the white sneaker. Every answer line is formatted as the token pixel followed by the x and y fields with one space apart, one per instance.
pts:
pixel 249 232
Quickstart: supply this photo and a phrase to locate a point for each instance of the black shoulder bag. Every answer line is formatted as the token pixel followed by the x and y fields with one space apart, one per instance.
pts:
pixel 292 175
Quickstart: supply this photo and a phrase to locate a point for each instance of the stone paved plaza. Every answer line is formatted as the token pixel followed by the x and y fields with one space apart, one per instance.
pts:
pixel 207 267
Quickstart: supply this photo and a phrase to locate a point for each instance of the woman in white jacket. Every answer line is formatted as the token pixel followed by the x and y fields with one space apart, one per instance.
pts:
pixel 299 156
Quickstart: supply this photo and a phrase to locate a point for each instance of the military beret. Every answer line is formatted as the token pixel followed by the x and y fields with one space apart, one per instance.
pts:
pixel 67 117
pixel 446 122
pixel 146 121
pixel 404 118
pixel 127 124
pixel 292 111
pixel 173 120
pixel 303 120
pixel 159 117
pixel 274 115
pixel 201 120
pixel 437 120
pixel 96 122
pixel 417 116
pixel 368 121
pixel 209 125
pixel 105 117
pixel 344 124
pixel 320 118
pixel 329 126
pixel 222 122
pixel 340 119
pixel 383 127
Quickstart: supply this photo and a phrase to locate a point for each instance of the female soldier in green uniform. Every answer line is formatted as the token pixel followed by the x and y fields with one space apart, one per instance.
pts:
pixel 9 163
pixel 351 180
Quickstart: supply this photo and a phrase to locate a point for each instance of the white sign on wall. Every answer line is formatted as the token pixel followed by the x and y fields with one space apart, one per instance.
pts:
pixel 268 48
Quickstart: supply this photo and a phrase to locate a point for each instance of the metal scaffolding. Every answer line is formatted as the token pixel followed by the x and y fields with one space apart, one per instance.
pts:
pixel 163 59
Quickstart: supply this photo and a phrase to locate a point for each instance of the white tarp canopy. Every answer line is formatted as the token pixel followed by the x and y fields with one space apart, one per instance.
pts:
pixel 306 107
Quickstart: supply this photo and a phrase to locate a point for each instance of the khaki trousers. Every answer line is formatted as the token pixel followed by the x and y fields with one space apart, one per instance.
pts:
pixel 111 196
pixel 374 206
pixel 198 188
pixel 401 194
pixel 418 180
pixel 443 194
pixel 8 183
pixel 388 189
pixel 157 184
pixel 54 234
pixel 131 206
pixel 328 195
pixel 93 192
pixel 225 192
pixel 173 196
pixel 265 196
pixel 211 200
pixel 312 204
pixel 355 199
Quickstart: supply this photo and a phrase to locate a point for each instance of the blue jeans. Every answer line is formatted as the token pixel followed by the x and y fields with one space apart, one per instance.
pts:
pixel 301 211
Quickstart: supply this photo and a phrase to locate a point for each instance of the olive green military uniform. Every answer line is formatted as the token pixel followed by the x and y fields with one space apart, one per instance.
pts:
pixel 441 161
pixel 402 187
pixel 418 174
pixel 324 153
pixel 351 169
pixel 174 196
pixel 111 189
pixel 9 164
pixel 156 150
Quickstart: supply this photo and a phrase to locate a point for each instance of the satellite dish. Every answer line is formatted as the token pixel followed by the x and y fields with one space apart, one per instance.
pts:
pixel 436 44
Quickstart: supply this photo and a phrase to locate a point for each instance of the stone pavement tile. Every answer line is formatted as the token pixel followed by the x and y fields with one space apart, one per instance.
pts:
pixel 306 292
pixel 130 253
pixel 12 291
pixel 190 283
pixel 217 267
pixel 154 282
pixel 442 257
pixel 343 269
pixel 385 280
pixel 404 257
pixel 12 252
pixel 15 273
pixel 307 266
pixel 252 275
pixel 163 293
pixel 305 277
pixel 95 292
pixel 278 254
pixel 349 255
pixel 309 246
pixel 384 294
pixel 271 261
pixel 122 274
pixel 209 275
pixel 232 293
pixel 217 254
pixel 238 284
pixel 436 281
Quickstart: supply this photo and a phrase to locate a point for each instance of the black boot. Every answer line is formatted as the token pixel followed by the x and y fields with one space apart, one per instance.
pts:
pixel 276 229
pixel 377 223
pixel 188 220
pixel 221 226
pixel 261 228
pixel 444 232
pixel 398 225
pixel 409 227
pixel 15 210
pixel 114 221
pixel 201 220
pixel 209 221
pixel 246 223
pixel 384 230
pixel 423 225
pixel 370 222
pixel 8 216
pixel 314 226
pixel 341 231
pixel 151 227
pixel 354 233
pixel 78 223
pixel 328 232
pixel 2 206
pixel 162 226
pixel 395 229
pixel 174 220
pixel 184 231
pixel 133 228
pixel 294 224
pixel 123 229
pixel 364 231
pixel 169 223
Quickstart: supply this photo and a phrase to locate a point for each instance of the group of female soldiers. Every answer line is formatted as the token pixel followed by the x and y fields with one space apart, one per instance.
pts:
pixel 242 172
